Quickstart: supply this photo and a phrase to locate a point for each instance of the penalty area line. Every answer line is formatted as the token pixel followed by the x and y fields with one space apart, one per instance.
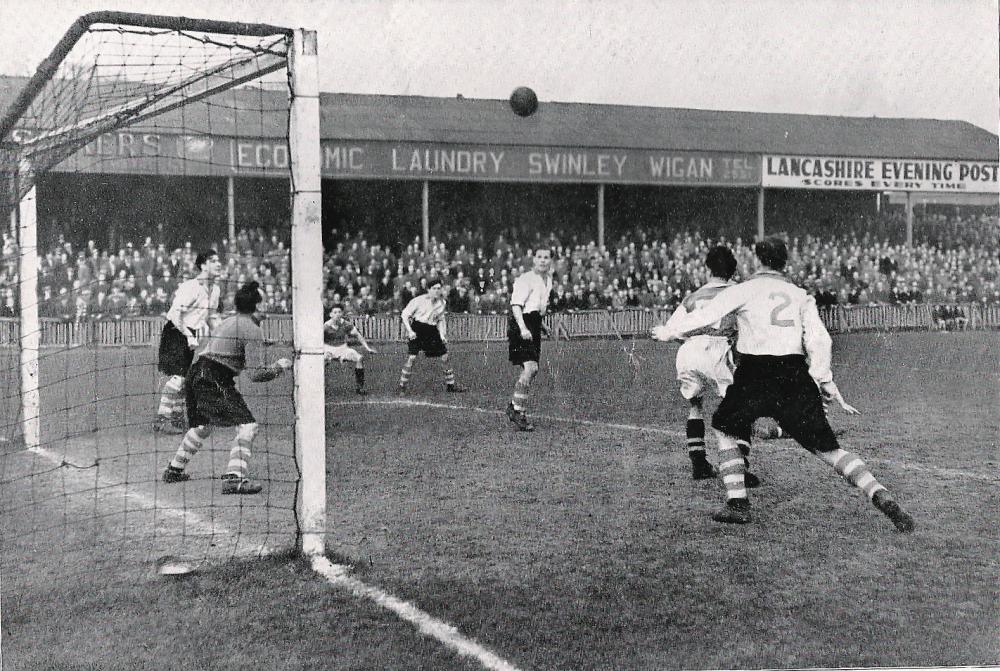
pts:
pixel 412 403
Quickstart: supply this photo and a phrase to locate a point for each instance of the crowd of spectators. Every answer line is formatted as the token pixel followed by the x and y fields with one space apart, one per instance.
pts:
pixel 957 262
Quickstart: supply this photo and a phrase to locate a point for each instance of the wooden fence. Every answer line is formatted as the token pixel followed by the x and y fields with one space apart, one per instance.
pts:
pixel 145 331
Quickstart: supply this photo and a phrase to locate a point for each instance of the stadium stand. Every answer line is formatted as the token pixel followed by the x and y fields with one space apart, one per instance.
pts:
pixel 955 260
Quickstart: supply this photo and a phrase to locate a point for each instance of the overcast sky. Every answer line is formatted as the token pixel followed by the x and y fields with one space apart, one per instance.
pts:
pixel 888 58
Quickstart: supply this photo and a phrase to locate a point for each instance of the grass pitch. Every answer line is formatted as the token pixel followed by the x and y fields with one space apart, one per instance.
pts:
pixel 583 545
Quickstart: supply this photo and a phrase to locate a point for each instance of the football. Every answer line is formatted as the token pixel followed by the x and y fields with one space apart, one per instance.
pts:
pixel 523 101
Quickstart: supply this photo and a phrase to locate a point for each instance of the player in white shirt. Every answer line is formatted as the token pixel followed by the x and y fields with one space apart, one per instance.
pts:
pixel 426 330
pixel 784 352
pixel 336 332
pixel 529 300
pixel 705 360
pixel 192 315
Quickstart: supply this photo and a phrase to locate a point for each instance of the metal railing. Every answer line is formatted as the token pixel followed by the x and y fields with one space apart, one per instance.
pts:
pixel 145 331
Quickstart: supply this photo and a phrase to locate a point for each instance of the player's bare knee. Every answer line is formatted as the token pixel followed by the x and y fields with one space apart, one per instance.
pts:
pixel 247 432
pixel 203 431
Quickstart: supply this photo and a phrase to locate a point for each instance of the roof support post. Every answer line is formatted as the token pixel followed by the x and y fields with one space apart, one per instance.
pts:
pixel 231 208
pixel 425 214
pixel 909 218
pixel 600 216
pixel 760 213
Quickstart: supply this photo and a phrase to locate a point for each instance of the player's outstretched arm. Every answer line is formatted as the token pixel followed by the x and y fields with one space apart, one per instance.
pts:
pixel 268 373
pixel 665 332
pixel 361 340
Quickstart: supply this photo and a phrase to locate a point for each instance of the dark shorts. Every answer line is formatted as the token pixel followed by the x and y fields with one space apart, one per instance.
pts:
pixel 174 355
pixel 779 387
pixel 428 340
pixel 520 350
pixel 212 396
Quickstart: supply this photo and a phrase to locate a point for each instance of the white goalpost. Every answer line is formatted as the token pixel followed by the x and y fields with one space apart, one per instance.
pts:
pixel 307 279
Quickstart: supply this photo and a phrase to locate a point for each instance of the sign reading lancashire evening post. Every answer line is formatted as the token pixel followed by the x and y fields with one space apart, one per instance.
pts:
pixel 876 174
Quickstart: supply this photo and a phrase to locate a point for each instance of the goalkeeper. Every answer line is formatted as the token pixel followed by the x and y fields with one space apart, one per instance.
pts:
pixel 213 399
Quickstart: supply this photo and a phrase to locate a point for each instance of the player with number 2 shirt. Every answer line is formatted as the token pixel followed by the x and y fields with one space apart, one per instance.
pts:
pixel 785 351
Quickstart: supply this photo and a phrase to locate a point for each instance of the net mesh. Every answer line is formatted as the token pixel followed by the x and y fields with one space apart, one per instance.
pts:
pixel 152 105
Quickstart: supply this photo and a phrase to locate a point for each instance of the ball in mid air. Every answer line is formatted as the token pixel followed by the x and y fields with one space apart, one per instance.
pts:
pixel 523 101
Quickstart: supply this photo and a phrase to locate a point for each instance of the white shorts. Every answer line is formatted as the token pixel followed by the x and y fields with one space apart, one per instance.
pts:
pixel 703 361
pixel 341 353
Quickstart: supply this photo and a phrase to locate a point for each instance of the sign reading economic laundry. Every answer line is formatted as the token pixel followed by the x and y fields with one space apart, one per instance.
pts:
pixel 136 152
pixel 872 174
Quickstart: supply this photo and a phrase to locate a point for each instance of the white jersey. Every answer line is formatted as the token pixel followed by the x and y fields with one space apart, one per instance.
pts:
pixel 705 359
pixel 774 318
pixel 193 304
pixel 531 291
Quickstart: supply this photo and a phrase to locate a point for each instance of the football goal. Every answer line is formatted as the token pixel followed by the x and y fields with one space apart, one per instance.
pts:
pixel 194 118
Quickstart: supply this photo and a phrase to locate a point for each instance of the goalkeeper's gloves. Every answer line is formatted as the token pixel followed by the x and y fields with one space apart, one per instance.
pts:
pixel 831 392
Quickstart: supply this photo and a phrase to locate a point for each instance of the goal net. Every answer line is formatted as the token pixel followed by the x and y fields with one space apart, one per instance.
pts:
pixel 140 142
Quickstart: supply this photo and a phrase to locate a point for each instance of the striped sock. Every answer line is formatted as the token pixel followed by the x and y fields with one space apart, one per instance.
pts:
pixel 853 469
pixel 520 399
pixel 239 456
pixel 189 447
pixel 404 376
pixel 744 446
pixel 731 467
pixel 696 439
pixel 449 377
pixel 171 397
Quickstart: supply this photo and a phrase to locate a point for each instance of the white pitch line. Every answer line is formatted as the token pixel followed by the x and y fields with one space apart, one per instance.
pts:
pixel 500 413
pixel 188 518
pixel 407 402
pixel 337 575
